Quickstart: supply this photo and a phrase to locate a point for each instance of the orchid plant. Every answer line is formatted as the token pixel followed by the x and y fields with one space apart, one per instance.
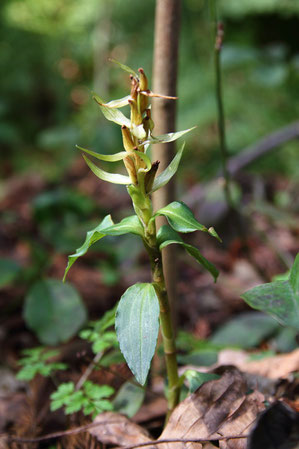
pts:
pixel 144 307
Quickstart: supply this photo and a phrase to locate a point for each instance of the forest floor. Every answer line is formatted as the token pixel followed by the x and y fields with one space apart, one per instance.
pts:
pixel 218 334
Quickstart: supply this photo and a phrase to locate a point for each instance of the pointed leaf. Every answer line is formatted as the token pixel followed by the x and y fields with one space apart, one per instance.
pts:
pixel 124 67
pixel 91 237
pixel 181 218
pixel 114 115
pixel 169 137
pixel 119 103
pixel 137 327
pixel 167 236
pixel 105 157
pixel 114 178
pixel 169 172
pixel 129 225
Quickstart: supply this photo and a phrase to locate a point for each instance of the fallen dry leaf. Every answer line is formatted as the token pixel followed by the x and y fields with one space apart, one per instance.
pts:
pixel 274 367
pixel 218 408
pixel 115 428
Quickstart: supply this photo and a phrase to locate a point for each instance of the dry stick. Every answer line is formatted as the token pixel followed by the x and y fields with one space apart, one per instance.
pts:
pixel 89 370
pixel 167 25
pixel 247 156
pixel 263 146
pixel 219 98
pixel 16 439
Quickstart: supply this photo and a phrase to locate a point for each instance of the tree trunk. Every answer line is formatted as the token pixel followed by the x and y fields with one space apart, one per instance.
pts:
pixel 166 45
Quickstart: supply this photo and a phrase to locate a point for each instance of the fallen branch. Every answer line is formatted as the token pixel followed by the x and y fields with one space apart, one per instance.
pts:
pixel 81 429
pixel 262 147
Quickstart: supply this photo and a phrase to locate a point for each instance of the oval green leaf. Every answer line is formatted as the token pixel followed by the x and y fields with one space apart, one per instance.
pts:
pixel 181 219
pixel 137 327
pixel 54 311
pixel 114 178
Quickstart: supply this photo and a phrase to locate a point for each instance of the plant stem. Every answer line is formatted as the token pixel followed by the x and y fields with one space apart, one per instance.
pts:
pixel 219 99
pixel 167 330
pixel 143 207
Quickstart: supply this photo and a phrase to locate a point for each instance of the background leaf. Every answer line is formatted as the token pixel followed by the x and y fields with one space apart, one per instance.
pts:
pixel 137 327
pixel 129 399
pixel 9 270
pixel 279 298
pixel 54 311
pixel 246 330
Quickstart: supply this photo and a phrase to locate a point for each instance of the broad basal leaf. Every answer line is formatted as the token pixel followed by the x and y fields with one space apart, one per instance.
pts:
pixel 280 298
pixel 167 236
pixel 137 327
pixel 54 311
pixel 181 218
pixel 114 115
pixel 169 172
pixel 169 137
pixel 105 157
pixel 129 225
pixel 114 178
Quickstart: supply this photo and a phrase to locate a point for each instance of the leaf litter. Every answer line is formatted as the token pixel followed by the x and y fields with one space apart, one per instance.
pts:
pixel 219 408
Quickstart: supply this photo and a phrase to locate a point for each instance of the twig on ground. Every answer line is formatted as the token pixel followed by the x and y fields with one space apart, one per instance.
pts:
pixel 16 439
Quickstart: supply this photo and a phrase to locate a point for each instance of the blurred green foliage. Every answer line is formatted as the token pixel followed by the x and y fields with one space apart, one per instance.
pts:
pixel 53 54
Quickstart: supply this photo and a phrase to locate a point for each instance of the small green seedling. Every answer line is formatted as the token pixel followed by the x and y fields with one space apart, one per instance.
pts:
pixel 144 307
pixel 38 361
pixel 90 398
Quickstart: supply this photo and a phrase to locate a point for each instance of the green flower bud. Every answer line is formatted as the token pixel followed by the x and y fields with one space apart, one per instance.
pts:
pixel 127 139
pixel 130 166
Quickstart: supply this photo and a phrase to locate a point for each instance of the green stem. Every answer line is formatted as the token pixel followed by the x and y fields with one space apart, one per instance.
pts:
pixel 143 208
pixel 219 98
pixel 167 330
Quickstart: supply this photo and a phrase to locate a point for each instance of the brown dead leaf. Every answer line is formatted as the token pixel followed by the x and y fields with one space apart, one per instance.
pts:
pixel 115 428
pixel 274 367
pixel 218 408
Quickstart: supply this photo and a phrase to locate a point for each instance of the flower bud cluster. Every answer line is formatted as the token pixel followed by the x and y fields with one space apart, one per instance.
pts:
pixel 141 127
